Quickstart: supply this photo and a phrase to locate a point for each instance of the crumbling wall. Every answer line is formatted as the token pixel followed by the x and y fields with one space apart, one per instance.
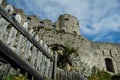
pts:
pixel 68 23
pixel 91 55
pixel 107 50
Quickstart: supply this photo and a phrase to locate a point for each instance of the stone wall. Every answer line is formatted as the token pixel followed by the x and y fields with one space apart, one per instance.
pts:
pixel 90 54
pixel 108 50
pixel 68 23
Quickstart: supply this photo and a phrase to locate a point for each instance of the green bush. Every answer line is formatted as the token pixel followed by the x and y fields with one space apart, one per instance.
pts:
pixel 101 75
pixel 64 59
pixel 69 50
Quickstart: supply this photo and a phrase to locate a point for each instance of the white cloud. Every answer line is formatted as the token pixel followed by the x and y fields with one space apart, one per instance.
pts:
pixel 96 16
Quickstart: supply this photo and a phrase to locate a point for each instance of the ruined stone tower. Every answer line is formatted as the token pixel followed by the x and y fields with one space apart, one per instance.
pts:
pixel 89 55
pixel 68 23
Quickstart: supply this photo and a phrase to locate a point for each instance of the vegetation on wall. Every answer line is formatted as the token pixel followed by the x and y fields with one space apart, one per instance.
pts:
pixel 101 75
pixel 63 58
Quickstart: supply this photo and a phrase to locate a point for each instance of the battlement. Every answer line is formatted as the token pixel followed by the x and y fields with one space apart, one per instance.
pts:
pixel 65 22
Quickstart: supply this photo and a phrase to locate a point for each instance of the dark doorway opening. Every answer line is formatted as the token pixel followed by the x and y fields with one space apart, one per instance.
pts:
pixel 109 65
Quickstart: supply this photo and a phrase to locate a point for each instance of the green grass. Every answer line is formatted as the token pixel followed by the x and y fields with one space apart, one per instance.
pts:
pixel 15 77
pixel 101 75
pixel 6 76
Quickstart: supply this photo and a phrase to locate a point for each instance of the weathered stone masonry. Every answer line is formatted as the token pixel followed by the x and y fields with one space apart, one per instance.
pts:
pixel 65 31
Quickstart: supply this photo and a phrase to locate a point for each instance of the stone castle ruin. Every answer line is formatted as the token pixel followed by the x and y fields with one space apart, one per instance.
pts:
pixel 89 56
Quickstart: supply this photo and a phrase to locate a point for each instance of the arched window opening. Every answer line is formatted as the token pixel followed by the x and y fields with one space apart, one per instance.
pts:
pixel 40 26
pixel 82 39
pixel 109 65
pixel 74 32
pixel 28 19
pixel 117 48
pixel 103 52
pixel 53 26
pixel 13 15
pixel 110 53
pixel 8 10
pixel 66 19
pixel 63 29
pixel 40 23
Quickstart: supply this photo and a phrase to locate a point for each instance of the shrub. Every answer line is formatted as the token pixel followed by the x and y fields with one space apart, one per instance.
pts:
pixel 101 75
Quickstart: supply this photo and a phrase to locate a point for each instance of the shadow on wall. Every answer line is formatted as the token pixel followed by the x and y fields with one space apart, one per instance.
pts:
pixel 116 77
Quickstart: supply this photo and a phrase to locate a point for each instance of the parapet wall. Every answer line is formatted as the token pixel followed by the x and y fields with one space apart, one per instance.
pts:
pixel 65 22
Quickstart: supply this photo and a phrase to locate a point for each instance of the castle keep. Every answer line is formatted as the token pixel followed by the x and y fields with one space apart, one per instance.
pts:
pixel 68 23
pixel 89 56
pixel 99 55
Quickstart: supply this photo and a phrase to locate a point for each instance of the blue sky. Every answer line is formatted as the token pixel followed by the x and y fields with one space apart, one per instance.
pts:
pixel 99 19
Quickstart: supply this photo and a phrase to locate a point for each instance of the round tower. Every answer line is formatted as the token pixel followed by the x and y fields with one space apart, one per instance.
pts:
pixel 69 24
